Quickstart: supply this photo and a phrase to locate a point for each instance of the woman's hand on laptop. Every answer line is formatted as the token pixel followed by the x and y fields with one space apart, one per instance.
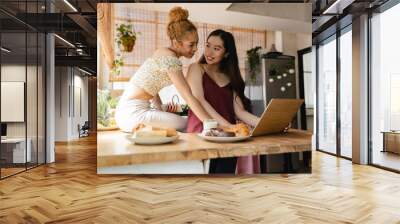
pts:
pixel 288 127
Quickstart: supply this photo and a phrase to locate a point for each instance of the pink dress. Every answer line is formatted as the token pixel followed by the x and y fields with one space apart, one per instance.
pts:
pixel 221 99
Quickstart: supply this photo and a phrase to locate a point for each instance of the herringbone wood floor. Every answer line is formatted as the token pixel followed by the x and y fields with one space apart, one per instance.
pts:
pixel 69 191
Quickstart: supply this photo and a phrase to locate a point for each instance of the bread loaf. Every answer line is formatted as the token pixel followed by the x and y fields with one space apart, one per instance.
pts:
pixel 149 131
pixel 240 130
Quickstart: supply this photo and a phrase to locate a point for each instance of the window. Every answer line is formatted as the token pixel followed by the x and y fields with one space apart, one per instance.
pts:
pixel 22 73
pixel 327 95
pixel 385 84
pixel 334 99
pixel 346 93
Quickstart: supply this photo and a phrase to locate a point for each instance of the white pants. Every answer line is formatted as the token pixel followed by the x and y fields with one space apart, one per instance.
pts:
pixel 130 113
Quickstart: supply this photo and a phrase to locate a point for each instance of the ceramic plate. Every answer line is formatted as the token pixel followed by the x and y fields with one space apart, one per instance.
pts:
pixel 151 140
pixel 223 139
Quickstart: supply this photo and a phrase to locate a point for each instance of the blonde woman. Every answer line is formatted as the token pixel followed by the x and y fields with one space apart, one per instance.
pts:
pixel 162 69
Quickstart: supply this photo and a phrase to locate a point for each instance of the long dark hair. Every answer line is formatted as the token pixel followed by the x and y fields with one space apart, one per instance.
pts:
pixel 230 66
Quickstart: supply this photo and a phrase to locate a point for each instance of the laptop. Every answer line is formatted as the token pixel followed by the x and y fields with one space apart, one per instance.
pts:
pixel 277 116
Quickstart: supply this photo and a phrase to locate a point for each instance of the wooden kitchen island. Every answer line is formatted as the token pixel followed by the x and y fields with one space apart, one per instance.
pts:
pixel 189 154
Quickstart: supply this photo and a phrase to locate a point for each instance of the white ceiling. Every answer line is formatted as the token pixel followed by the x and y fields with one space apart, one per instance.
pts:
pixel 287 17
pixel 292 11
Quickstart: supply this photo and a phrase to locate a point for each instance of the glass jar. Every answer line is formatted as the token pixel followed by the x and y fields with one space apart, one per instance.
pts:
pixel 209 123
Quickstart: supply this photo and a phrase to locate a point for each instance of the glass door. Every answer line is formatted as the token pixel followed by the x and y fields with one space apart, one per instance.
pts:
pixel 307 88
pixel 14 153
pixel 22 77
pixel 326 99
pixel 385 89
pixel 346 92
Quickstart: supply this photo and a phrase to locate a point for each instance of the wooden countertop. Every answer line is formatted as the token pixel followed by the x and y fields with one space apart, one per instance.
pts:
pixel 113 149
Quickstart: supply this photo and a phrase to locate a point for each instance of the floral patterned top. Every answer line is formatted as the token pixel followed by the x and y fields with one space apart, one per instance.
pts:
pixel 152 75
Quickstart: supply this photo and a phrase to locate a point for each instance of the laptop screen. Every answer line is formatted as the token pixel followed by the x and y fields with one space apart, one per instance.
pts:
pixel 3 129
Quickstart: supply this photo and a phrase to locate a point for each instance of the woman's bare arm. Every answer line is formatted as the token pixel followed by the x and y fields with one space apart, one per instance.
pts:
pixel 242 114
pixel 156 101
pixel 183 88
pixel 195 81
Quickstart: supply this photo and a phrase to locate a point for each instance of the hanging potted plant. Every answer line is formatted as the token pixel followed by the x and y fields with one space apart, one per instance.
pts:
pixel 116 67
pixel 253 60
pixel 126 37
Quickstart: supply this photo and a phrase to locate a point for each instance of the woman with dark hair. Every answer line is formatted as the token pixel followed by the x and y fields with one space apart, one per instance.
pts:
pixel 217 84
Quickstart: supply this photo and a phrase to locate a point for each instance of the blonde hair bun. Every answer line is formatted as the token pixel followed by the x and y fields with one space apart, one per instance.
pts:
pixel 177 14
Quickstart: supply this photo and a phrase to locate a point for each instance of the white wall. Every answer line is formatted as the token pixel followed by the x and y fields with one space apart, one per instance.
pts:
pixel 304 40
pixel 12 73
pixel 61 103
pixel 70 83
pixel 289 44
pixel 33 127
pixel 79 117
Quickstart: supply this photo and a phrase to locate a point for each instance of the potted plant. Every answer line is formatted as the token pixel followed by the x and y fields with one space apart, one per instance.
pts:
pixel 126 37
pixel 116 67
pixel 105 110
pixel 185 110
pixel 253 59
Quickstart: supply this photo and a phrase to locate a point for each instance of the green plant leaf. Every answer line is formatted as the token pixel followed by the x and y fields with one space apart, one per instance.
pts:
pixel 104 105
pixel 253 57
